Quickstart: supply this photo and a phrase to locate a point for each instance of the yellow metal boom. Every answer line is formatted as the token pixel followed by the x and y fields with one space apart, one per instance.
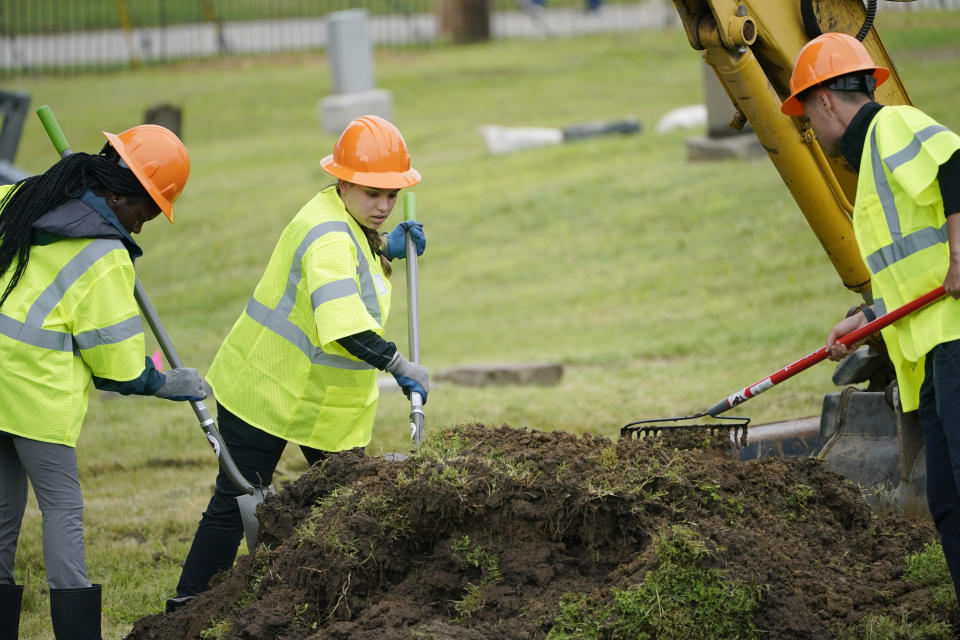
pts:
pixel 752 45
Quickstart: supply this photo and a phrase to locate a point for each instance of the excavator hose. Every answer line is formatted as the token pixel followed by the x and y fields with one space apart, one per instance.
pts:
pixel 811 25
pixel 868 22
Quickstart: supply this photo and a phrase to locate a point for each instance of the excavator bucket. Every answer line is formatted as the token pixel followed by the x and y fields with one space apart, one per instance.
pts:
pixel 870 440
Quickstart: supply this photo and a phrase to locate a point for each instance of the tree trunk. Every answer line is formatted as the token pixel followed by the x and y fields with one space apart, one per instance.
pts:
pixel 464 21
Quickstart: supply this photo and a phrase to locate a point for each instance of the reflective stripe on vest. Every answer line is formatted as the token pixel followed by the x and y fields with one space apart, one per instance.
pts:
pixel 31 330
pixel 277 319
pixel 901 247
pixel 879 306
pixel 908 153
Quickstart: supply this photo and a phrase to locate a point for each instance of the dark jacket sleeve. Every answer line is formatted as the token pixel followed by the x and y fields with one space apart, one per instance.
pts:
pixel 949 178
pixel 370 348
pixel 145 385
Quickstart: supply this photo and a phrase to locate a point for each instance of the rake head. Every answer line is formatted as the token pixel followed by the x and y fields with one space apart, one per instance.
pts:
pixel 736 428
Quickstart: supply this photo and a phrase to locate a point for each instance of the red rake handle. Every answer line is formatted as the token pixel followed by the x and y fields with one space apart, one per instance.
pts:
pixel 802 364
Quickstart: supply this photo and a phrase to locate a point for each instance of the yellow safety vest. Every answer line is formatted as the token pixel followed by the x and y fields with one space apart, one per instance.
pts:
pixel 901 231
pixel 280 368
pixel 71 316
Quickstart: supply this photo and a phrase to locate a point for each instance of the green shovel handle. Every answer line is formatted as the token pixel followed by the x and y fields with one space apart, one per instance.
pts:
pixel 409 205
pixel 53 129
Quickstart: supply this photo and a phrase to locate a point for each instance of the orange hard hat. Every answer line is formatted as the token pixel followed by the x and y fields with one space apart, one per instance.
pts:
pixel 157 158
pixel 828 56
pixel 371 152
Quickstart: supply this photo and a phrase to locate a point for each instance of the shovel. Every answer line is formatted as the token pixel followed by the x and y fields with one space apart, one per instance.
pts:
pixel 413 314
pixel 644 427
pixel 209 427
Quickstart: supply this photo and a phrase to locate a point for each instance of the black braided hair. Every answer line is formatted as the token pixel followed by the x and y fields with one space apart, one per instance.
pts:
pixel 34 196
pixel 375 240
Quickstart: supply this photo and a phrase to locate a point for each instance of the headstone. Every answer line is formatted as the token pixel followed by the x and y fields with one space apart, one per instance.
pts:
pixel 514 374
pixel 504 373
pixel 13 108
pixel 722 140
pixel 351 59
pixel 165 115
pixel 337 111
pixel 719 108
pixel 351 73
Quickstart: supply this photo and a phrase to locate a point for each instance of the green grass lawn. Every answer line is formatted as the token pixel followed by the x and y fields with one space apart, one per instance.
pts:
pixel 662 286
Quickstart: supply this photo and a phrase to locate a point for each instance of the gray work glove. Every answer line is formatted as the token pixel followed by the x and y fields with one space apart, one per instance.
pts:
pixel 410 376
pixel 182 384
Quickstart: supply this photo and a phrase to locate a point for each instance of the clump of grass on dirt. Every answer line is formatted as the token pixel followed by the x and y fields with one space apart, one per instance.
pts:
pixel 249 594
pixel 709 496
pixel 472 556
pixel 680 599
pixel 391 521
pixel 929 568
pixel 217 631
pixel 883 627
pixel 308 526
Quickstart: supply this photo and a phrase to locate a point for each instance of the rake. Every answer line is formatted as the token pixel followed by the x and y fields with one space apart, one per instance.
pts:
pixel 738 426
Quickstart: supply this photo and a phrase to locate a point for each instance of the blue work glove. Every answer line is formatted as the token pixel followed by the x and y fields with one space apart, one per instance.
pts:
pixel 397 239
pixel 410 376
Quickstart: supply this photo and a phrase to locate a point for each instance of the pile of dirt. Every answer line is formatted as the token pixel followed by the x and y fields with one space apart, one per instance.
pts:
pixel 512 533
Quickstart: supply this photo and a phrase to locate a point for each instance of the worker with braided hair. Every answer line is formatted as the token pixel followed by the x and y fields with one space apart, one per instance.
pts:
pixel 300 363
pixel 68 316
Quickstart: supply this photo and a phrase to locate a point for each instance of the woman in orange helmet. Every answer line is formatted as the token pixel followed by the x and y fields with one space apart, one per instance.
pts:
pixel 300 363
pixel 68 316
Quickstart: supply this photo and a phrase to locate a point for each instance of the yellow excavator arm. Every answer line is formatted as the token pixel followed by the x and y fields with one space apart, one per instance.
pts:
pixel 752 45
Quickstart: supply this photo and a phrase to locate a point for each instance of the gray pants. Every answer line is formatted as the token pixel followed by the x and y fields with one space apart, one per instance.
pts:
pixel 52 470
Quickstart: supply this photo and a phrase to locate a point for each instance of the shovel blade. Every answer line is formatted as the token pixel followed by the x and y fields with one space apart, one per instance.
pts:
pixel 248 513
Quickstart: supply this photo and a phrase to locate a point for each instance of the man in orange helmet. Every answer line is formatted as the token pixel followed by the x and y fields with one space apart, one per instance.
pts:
pixel 68 316
pixel 908 231
pixel 300 364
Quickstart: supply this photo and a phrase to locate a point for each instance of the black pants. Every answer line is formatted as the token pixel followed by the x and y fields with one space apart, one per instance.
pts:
pixel 218 536
pixel 940 418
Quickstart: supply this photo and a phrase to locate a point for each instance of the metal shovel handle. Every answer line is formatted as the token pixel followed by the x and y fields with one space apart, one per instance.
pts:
pixel 413 310
pixel 206 422
pixel 209 427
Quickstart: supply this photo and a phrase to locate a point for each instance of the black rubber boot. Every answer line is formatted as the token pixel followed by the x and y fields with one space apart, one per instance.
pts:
pixel 11 596
pixel 76 613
